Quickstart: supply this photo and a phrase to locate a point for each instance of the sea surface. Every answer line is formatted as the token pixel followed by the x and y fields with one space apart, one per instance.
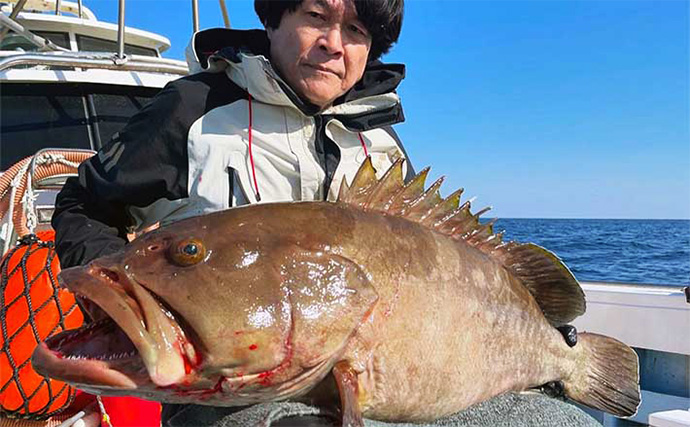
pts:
pixel 612 250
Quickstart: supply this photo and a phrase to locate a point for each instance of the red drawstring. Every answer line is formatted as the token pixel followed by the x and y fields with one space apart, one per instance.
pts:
pixel 251 156
pixel 366 153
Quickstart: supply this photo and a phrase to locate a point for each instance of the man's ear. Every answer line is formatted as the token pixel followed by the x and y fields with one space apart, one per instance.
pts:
pixel 269 33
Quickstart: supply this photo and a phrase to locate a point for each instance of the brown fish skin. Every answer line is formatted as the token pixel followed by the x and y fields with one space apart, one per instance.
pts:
pixel 407 337
pixel 273 296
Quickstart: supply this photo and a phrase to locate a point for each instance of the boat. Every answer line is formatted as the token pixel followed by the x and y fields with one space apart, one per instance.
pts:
pixel 655 321
pixel 70 81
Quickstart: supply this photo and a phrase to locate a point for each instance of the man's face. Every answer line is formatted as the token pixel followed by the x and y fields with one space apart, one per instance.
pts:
pixel 320 49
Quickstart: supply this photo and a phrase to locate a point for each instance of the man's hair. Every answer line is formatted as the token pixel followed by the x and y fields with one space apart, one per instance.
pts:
pixel 382 19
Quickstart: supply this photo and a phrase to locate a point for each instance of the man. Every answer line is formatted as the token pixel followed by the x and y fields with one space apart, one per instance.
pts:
pixel 247 129
pixel 280 115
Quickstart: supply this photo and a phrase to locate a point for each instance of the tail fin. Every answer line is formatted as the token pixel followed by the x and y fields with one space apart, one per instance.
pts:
pixel 606 376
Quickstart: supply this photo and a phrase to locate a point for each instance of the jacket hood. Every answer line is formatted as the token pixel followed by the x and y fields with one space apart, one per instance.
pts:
pixel 372 102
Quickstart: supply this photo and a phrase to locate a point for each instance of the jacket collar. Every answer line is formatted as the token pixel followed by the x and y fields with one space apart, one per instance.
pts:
pixel 244 56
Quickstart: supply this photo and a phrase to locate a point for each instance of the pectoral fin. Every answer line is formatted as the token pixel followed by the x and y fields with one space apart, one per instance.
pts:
pixel 346 380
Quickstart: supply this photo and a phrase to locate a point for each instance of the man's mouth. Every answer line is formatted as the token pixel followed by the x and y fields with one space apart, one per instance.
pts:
pixel 324 69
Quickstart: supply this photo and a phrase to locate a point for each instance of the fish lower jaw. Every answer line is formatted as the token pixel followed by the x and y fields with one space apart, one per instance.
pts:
pixel 80 371
pixel 99 354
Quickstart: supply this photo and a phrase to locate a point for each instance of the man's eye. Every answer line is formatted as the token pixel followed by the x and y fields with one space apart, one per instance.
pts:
pixel 357 30
pixel 315 15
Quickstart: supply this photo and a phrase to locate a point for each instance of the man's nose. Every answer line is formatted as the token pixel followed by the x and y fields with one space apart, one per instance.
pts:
pixel 332 42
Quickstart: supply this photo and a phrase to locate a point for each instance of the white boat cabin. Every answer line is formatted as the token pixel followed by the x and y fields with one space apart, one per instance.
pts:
pixel 73 92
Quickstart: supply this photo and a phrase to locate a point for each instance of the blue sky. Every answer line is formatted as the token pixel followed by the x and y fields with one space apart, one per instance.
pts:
pixel 546 109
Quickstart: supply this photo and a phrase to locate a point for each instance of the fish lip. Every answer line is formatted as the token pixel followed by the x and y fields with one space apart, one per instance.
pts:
pixel 99 290
pixel 96 283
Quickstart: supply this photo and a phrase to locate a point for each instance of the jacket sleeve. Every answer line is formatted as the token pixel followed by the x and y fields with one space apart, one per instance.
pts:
pixel 144 162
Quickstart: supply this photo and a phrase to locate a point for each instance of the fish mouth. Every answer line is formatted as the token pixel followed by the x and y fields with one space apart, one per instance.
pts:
pixel 135 340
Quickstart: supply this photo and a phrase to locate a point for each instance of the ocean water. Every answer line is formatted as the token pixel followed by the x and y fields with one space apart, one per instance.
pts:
pixel 612 250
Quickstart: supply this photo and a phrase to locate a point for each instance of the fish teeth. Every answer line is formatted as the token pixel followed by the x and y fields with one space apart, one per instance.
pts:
pixel 75 357
pixel 122 355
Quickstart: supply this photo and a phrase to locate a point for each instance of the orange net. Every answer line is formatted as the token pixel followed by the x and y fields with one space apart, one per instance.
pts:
pixel 32 308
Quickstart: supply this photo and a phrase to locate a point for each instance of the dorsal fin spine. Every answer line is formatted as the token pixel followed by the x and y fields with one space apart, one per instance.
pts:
pixel 342 193
pixel 409 193
pixel 388 186
pixel 426 202
pixel 442 210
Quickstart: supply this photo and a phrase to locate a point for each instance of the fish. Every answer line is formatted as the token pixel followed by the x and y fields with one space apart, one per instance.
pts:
pixel 393 304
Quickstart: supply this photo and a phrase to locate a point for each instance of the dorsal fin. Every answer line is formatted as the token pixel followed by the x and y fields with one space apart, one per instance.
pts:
pixel 546 277
pixel 363 183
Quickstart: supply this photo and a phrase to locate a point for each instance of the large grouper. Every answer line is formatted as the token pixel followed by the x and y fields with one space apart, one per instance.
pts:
pixel 392 304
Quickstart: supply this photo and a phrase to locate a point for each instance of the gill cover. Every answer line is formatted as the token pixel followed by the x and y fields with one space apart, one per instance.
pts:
pixel 330 297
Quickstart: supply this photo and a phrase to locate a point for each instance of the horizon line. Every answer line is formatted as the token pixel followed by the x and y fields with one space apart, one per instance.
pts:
pixel 589 218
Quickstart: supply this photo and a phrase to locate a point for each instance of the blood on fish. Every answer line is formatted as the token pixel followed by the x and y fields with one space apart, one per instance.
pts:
pixel 189 365
pixel 253 347
pixel 201 394
pixel 265 377
pixel 180 390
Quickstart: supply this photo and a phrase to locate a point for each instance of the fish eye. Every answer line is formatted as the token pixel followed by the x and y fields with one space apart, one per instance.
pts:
pixel 187 252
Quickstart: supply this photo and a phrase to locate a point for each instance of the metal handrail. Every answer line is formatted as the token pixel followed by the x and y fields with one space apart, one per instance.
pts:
pixel 103 55
pixel 11 23
pixel 224 11
pixel 195 16
pixel 66 7
pixel 106 61
pixel 13 16
pixel 121 29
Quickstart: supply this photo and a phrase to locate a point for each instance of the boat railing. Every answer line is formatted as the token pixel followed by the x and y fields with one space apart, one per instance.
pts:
pixel 58 7
pixel 9 22
pixel 637 288
pixel 60 57
pixel 95 60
